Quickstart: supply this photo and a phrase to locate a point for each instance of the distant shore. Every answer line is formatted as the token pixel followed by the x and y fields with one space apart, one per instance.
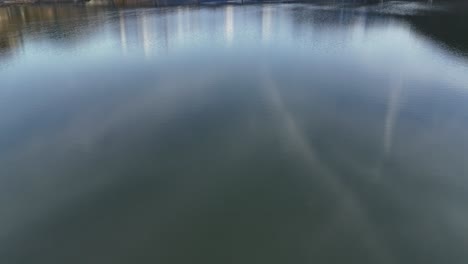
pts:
pixel 458 3
pixel 27 2
pixel 32 2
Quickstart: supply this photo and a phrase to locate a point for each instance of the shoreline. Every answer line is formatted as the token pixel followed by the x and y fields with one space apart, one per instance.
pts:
pixel 454 4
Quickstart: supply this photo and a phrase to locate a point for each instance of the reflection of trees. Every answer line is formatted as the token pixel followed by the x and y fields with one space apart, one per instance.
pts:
pixel 444 27
pixel 59 23
pixel 10 36
pixel 123 3
pixel 70 23
pixel 448 29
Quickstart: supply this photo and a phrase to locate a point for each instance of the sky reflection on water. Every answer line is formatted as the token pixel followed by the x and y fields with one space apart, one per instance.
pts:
pixel 249 134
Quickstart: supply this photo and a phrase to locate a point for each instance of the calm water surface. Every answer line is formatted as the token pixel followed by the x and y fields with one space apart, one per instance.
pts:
pixel 276 133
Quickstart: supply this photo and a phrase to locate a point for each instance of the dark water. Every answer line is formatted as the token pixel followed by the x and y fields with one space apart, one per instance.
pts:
pixel 276 133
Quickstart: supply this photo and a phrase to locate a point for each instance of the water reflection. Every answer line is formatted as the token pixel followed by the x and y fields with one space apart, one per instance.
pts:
pixel 146 31
pixel 242 133
pixel 48 22
pixel 266 23
pixel 123 37
pixel 229 24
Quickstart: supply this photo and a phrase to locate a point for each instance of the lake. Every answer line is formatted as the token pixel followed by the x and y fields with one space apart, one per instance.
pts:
pixel 256 133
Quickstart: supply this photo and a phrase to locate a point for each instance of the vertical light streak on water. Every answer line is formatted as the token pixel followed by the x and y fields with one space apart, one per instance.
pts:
pixel 229 25
pixel 123 34
pixel 146 34
pixel 266 24
pixel 394 101
pixel 349 202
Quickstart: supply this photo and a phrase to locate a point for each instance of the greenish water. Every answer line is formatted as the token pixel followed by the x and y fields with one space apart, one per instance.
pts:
pixel 275 133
